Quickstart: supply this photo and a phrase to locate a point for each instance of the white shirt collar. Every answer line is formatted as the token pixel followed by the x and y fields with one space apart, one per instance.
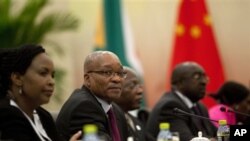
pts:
pixel 185 99
pixel 104 104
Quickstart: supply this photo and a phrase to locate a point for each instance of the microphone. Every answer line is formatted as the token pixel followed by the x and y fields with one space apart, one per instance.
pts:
pixel 224 109
pixel 177 110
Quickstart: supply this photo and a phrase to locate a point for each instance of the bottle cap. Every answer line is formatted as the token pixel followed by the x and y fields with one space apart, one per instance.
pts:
pixel 130 139
pixel 89 128
pixel 222 122
pixel 164 125
pixel 200 138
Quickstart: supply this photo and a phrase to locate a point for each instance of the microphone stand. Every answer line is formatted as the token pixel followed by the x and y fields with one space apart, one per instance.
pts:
pixel 224 109
pixel 177 110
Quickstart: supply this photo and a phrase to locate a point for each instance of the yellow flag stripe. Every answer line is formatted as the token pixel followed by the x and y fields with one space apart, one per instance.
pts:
pixel 100 32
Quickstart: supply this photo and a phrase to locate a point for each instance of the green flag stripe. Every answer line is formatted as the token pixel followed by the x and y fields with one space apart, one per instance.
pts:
pixel 113 29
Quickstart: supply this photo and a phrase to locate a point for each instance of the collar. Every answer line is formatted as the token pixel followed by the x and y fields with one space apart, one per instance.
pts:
pixel 36 124
pixel 105 105
pixel 13 103
pixel 185 99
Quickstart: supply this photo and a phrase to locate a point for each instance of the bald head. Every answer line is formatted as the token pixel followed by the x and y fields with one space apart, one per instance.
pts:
pixel 96 58
pixel 103 75
pixel 130 71
pixel 181 71
pixel 190 79
pixel 132 91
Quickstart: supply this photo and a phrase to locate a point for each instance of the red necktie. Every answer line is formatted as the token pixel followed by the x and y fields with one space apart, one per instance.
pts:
pixel 112 120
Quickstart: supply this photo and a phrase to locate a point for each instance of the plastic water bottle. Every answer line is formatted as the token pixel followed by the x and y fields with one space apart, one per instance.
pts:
pixel 164 134
pixel 90 133
pixel 223 131
pixel 200 138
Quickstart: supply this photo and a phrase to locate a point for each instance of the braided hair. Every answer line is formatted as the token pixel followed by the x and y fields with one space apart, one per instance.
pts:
pixel 15 60
pixel 6 63
pixel 231 92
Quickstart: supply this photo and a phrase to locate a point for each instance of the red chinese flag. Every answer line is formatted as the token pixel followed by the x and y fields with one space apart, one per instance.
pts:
pixel 194 41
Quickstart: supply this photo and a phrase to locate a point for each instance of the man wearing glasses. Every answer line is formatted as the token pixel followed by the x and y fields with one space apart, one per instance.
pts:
pixel 188 82
pixel 92 104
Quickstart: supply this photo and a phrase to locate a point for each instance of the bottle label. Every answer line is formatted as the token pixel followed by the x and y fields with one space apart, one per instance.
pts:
pixel 164 140
pixel 223 133
pixel 223 138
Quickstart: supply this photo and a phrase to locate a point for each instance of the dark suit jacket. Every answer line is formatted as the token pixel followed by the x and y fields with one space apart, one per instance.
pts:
pixel 83 108
pixel 15 126
pixel 139 133
pixel 187 126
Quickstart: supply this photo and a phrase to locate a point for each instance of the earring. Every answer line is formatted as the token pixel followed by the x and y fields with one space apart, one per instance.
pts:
pixel 20 90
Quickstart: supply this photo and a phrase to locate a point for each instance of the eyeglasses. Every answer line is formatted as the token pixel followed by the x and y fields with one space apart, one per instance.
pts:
pixel 109 74
pixel 199 76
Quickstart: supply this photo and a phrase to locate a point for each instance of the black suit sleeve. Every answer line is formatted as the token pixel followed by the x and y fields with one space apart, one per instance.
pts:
pixel 87 113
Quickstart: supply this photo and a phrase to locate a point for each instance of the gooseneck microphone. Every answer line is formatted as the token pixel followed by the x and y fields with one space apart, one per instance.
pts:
pixel 229 110
pixel 177 110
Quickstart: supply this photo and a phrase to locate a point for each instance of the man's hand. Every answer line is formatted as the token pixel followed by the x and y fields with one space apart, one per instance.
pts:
pixel 76 136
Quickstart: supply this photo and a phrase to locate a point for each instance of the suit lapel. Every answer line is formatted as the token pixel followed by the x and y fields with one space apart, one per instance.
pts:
pixel 206 123
pixel 196 122
pixel 91 96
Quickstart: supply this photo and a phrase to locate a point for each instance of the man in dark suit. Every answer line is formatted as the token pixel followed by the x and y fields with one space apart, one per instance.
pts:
pixel 130 99
pixel 188 82
pixel 92 104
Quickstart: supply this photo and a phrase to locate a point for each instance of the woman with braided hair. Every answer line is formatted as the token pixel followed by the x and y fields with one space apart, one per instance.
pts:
pixel 234 96
pixel 26 83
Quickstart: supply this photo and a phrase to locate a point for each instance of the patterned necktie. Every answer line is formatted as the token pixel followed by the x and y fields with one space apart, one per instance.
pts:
pixel 113 124
pixel 196 110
